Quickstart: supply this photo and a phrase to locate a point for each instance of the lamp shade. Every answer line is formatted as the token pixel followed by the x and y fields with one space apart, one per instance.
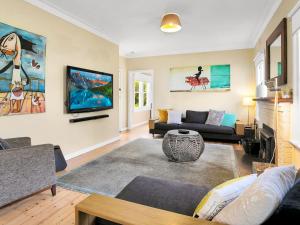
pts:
pixel 170 23
pixel 248 101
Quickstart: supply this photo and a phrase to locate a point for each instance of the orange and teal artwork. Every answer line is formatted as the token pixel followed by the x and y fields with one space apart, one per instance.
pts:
pixel 200 78
pixel 22 71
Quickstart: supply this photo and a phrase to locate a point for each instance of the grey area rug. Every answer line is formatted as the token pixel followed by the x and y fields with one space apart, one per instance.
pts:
pixel 110 173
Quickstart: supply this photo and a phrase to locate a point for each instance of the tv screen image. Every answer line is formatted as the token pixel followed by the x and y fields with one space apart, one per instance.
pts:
pixel 88 90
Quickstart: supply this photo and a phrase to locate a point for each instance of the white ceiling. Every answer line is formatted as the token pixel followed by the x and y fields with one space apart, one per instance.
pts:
pixel 208 25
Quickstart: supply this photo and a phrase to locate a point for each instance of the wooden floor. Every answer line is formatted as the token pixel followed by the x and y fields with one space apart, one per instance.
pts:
pixel 44 209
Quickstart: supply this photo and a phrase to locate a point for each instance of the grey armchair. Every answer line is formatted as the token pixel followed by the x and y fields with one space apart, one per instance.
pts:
pixel 25 170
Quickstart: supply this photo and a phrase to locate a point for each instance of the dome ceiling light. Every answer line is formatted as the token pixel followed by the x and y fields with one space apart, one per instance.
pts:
pixel 170 23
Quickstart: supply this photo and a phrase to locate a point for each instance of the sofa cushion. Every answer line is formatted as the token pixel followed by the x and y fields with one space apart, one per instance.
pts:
pixel 163 115
pixel 229 120
pixel 215 117
pixel 166 126
pixel 4 144
pixel 288 211
pixel 259 201
pixel 163 194
pixel 206 128
pixel 172 196
pixel 196 117
pixel 220 196
pixel 174 117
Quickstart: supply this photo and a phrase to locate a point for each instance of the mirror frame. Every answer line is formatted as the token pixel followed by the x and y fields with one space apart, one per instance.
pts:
pixel 281 29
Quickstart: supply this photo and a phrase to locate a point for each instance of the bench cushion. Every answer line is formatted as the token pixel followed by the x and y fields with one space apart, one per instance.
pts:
pixel 162 194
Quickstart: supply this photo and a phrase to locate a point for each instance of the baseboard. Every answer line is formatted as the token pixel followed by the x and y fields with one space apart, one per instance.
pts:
pixel 123 129
pixel 91 148
pixel 138 124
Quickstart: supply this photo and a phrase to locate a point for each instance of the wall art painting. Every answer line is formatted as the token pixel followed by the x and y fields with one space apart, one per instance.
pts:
pixel 22 71
pixel 200 78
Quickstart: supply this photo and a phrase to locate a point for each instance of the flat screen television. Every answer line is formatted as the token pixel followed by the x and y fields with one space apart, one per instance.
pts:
pixel 88 90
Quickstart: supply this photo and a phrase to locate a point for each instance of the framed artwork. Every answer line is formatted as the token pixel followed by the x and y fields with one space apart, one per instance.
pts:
pixel 200 78
pixel 22 71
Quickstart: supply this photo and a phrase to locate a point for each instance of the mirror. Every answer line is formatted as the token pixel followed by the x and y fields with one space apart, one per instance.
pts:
pixel 276 57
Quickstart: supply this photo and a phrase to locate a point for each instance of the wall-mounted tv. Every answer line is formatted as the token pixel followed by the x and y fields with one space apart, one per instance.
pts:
pixel 88 90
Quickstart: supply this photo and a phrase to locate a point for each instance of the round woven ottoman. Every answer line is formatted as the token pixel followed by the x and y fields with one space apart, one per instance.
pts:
pixel 180 147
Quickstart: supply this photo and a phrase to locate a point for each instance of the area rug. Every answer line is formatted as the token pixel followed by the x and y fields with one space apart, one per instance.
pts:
pixel 110 173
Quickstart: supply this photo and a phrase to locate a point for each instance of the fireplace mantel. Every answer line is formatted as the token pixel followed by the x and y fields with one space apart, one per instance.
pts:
pixel 272 100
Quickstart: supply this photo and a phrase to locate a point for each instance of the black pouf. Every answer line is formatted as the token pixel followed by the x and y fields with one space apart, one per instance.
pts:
pixel 60 161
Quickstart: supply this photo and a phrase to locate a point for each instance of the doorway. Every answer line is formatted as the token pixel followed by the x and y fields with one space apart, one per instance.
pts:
pixel 122 101
pixel 140 97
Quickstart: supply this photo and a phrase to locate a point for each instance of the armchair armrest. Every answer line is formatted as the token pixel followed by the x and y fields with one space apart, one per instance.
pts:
pixel 152 123
pixel 19 142
pixel 128 213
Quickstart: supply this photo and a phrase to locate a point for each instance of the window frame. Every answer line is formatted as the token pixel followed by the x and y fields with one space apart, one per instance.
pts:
pixel 296 90
pixel 141 96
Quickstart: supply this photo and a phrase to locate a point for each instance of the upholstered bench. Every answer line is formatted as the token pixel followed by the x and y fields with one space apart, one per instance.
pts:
pixel 183 199
pixel 162 194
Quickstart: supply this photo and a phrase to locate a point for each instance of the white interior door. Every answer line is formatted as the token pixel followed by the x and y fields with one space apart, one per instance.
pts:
pixel 122 101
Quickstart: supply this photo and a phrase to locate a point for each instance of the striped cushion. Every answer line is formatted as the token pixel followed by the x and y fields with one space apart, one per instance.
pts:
pixel 222 195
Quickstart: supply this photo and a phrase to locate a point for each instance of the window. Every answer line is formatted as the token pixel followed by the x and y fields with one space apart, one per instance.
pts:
pixel 136 94
pixel 296 81
pixel 141 95
pixel 259 61
pixel 260 68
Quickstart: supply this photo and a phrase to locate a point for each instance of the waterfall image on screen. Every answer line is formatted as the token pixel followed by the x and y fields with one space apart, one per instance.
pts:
pixel 89 90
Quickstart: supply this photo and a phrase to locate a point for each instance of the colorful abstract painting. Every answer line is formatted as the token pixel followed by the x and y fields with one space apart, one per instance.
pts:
pixel 22 71
pixel 200 78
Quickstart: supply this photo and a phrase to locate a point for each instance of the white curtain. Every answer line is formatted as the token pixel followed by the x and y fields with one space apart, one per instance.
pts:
pixel 295 17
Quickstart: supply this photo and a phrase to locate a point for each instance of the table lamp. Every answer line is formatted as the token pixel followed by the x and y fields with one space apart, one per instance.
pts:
pixel 248 101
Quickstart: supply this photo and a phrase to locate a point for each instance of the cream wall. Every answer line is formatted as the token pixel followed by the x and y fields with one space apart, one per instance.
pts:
pixel 141 117
pixel 282 12
pixel 285 7
pixel 66 45
pixel 242 80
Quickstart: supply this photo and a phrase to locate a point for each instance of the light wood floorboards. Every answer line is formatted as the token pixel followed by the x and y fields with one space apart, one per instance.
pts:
pixel 44 209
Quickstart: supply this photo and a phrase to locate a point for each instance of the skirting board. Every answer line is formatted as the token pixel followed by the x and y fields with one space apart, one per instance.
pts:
pixel 123 129
pixel 138 124
pixel 91 148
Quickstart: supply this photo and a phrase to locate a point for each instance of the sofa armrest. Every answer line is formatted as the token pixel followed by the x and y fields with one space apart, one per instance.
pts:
pixel 124 212
pixel 26 170
pixel 152 123
pixel 19 142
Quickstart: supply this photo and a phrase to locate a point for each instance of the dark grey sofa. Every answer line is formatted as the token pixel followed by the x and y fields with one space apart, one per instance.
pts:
pixel 196 121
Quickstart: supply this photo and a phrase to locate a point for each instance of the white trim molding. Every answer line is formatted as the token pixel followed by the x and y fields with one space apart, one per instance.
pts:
pixel 296 144
pixel 91 148
pixel 50 8
pixel 295 9
pixel 139 124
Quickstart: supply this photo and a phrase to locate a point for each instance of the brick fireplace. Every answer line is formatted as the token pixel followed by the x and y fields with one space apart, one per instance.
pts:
pixel 284 155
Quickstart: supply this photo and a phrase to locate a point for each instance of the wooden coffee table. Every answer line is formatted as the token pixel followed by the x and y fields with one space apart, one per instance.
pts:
pixel 128 213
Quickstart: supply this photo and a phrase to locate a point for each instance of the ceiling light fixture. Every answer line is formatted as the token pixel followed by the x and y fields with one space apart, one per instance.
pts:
pixel 170 23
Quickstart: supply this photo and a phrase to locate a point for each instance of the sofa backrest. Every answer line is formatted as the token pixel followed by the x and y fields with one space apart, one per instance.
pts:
pixel 196 116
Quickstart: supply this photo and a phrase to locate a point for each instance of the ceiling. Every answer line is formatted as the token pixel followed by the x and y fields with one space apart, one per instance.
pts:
pixel 208 25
